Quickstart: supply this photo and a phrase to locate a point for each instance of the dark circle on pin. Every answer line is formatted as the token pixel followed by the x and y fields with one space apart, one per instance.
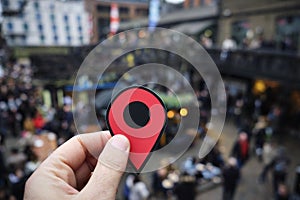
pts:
pixel 136 114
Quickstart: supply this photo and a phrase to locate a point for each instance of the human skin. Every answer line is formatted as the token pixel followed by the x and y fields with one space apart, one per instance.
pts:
pixel 73 172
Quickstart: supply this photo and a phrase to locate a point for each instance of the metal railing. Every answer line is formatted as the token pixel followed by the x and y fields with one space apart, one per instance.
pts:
pixel 278 66
pixel 252 64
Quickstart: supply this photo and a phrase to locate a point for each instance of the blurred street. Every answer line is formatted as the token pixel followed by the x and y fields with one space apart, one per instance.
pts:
pixel 249 187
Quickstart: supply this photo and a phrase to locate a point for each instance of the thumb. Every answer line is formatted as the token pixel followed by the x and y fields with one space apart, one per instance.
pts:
pixel 111 164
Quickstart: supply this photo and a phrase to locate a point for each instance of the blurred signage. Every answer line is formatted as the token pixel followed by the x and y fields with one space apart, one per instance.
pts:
pixel 153 14
pixel 114 18
pixel 174 1
pixel 37 50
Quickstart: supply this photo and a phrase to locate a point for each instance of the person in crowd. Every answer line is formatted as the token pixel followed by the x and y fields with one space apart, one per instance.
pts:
pixel 238 109
pixel 157 178
pixel 241 149
pixel 214 157
pixel 139 190
pixel 16 158
pixel 279 166
pixel 205 102
pixel 274 118
pixel 4 195
pixel 189 166
pixel 32 161
pixel 206 42
pixel 3 168
pixel 246 126
pixel 260 139
pixel 3 121
pixel 227 45
pixel 12 114
pixel 38 122
pixel 231 176
pixel 28 124
pixel 128 185
pixel 186 188
pixel 282 193
pixel 267 155
pixel 17 181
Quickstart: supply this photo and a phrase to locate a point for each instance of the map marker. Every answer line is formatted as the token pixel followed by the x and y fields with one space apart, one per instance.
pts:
pixel 140 115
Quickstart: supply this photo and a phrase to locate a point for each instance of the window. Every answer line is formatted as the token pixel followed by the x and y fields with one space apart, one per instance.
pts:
pixel 124 10
pixel 103 28
pixel 55 38
pixel 42 38
pixel 54 28
pixel 141 12
pixel 25 26
pixel 40 27
pixel 67 29
pixel 38 16
pixel 66 18
pixel 78 18
pixel 81 39
pixel 20 2
pixel 5 3
pixel 52 6
pixel 12 38
pixel 10 26
pixel 69 39
pixel 23 38
pixel 209 2
pixel 52 17
pixel 79 28
pixel 21 15
pixel 36 5
pixel 103 9
pixel 191 3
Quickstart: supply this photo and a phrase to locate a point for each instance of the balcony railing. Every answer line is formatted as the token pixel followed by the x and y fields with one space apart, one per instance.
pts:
pixel 278 66
pixel 252 64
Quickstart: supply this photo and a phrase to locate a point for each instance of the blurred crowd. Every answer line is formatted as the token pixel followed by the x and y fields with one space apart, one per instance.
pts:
pixel 39 129
pixel 42 129
pixel 36 128
pixel 252 41
pixel 258 137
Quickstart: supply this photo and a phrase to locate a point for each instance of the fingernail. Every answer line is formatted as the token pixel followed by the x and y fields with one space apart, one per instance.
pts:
pixel 107 134
pixel 120 142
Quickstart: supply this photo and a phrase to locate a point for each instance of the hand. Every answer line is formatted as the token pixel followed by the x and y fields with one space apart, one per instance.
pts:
pixel 73 172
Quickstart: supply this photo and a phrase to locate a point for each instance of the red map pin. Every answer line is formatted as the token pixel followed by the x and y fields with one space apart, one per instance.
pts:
pixel 140 115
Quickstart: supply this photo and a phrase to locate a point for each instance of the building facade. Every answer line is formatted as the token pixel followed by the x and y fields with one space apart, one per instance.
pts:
pixel 45 22
pixel 100 14
pixel 276 23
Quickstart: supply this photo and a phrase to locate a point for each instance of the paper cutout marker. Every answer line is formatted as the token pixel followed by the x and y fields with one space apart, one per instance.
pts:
pixel 139 114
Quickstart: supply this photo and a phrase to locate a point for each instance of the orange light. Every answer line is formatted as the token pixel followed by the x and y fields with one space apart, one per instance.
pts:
pixel 170 114
pixel 260 86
